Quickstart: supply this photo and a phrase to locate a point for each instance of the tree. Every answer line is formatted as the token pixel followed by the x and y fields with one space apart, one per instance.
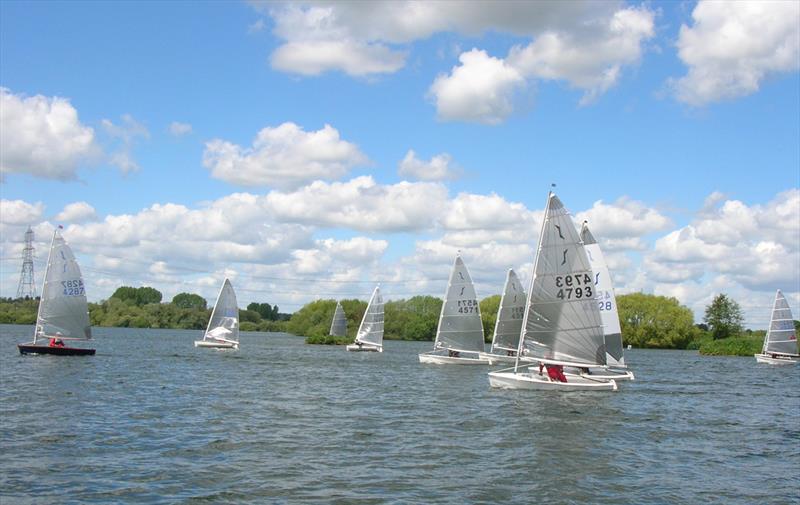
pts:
pixel 137 296
pixel 724 317
pixel 189 301
pixel 655 321
pixel 489 309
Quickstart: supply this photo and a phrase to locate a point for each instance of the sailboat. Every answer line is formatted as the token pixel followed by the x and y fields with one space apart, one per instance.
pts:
pixel 607 305
pixel 339 322
pixel 223 326
pixel 370 331
pixel 505 340
pixel 561 326
pixel 460 327
pixel 63 311
pixel 780 344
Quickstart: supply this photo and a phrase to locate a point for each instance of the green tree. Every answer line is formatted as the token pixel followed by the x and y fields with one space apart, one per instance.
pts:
pixel 655 321
pixel 137 296
pixel 724 317
pixel 189 301
pixel 490 306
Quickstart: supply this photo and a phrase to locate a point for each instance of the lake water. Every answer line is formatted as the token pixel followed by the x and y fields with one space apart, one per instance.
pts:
pixel 151 419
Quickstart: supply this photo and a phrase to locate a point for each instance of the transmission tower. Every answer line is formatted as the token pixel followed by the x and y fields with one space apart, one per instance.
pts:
pixel 26 284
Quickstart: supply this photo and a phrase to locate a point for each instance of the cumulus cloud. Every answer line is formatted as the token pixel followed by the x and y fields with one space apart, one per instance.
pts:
pixel 732 47
pixel 77 212
pixel 179 129
pixel 42 137
pixel 622 219
pixel 285 156
pixel 439 168
pixel 20 212
pixel 125 134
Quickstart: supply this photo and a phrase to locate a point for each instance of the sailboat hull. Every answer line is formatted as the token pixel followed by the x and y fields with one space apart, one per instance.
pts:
pixel 495 359
pixel 619 375
pixel 215 345
pixel 778 360
pixel 438 359
pixel 507 379
pixel 364 348
pixel 55 351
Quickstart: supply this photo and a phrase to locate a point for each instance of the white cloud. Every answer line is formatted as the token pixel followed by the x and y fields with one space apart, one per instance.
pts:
pixel 126 134
pixel 439 168
pixel 486 212
pixel 284 156
pixel 77 212
pixel 42 137
pixel 353 58
pixel 179 129
pixel 20 212
pixel 733 46
pixel 624 218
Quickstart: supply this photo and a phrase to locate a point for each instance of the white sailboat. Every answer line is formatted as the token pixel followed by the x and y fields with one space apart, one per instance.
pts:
pixel 607 305
pixel 561 326
pixel 338 323
pixel 223 326
pixel 780 344
pixel 460 327
pixel 505 340
pixel 370 331
pixel 63 311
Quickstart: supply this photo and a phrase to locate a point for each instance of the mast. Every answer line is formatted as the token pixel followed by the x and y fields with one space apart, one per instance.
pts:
pixel 44 284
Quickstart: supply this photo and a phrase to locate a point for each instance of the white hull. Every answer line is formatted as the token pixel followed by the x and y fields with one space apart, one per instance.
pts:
pixel 364 348
pixel 495 359
pixel 780 360
pixel 215 345
pixel 438 359
pixel 605 373
pixel 507 379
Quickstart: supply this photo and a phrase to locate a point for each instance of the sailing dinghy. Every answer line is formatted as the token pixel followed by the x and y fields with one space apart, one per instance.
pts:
pixel 562 325
pixel 370 331
pixel 607 305
pixel 63 312
pixel 505 340
pixel 780 344
pixel 223 326
pixel 460 327
pixel 339 322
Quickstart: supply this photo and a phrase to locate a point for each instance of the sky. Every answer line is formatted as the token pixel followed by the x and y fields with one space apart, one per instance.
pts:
pixel 311 150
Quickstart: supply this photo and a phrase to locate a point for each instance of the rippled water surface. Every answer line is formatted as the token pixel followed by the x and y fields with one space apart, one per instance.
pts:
pixel 151 419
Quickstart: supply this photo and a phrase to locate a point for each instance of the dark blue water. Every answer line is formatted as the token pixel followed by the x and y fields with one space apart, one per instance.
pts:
pixel 151 419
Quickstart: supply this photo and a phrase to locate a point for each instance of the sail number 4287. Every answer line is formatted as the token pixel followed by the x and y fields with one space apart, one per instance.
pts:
pixel 73 287
pixel 574 286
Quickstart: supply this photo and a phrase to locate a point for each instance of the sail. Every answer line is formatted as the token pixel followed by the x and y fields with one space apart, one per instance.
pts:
pixel 63 311
pixel 781 336
pixel 371 329
pixel 460 327
pixel 604 296
pixel 339 322
pixel 562 322
pixel 509 316
pixel 224 322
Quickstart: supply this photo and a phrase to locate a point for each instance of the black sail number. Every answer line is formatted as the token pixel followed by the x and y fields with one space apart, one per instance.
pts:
pixel 574 286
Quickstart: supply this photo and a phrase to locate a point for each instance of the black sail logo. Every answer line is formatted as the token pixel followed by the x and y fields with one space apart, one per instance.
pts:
pixel 565 257
pixel 559 231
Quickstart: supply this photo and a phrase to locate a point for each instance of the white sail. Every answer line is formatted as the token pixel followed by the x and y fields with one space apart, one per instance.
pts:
pixel 604 296
pixel 224 322
pixel 371 329
pixel 562 322
pixel 509 316
pixel 339 322
pixel 63 310
pixel 460 327
pixel 781 336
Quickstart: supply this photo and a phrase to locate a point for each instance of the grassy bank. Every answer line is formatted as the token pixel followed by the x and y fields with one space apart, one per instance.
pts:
pixel 733 346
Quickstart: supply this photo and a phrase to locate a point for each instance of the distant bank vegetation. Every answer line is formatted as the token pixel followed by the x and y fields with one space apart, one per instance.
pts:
pixel 647 321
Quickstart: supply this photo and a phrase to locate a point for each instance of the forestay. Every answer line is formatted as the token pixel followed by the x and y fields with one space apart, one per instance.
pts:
pixel 460 327
pixel 224 322
pixel 63 310
pixel 371 329
pixel 605 299
pixel 781 337
pixel 508 326
pixel 339 323
pixel 562 322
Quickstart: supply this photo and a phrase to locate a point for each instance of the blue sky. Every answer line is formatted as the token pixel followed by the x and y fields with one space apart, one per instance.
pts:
pixel 673 127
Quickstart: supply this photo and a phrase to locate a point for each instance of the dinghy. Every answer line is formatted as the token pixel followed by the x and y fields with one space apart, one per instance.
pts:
pixel 607 305
pixel 561 326
pixel 223 326
pixel 780 344
pixel 459 336
pixel 339 322
pixel 509 322
pixel 63 311
pixel 370 331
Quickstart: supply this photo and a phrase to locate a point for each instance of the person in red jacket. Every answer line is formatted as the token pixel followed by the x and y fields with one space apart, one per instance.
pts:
pixel 556 373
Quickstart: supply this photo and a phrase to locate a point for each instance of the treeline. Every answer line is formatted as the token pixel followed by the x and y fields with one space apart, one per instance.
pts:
pixel 131 307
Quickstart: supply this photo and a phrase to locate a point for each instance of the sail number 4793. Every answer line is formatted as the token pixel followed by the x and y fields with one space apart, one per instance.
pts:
pixel 574 286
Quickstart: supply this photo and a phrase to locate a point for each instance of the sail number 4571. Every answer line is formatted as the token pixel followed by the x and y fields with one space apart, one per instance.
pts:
pixel 574 286
pixel 73 287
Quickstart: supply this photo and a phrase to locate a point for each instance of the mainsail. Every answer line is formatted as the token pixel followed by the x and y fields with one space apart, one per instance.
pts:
pixel 781 337
pixel 604 296
pixel 562 322
pixel 63 311
pixel 224 322
pixel 509 316
pixel 371 329
pixel 460 327
pixel 339 322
